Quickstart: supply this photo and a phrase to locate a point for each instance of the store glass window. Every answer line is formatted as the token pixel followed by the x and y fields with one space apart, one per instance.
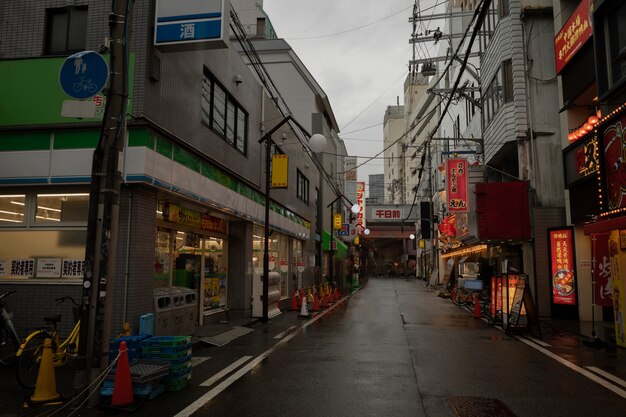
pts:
pixel 66 207
pixel 12 208
pixel 162 257
pixel 215 273
pixel 297 263
pixel 278 256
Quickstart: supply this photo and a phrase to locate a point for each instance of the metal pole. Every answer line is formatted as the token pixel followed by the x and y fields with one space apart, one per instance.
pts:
pixel 331 252
pixel 266 256
pixel 101 243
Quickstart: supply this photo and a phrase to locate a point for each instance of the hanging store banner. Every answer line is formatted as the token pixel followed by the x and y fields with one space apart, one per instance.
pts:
pixel 280 171
pixel 457 185
pixel 576 32
pixel 617 285
pixel 349 168
pixel 602 270
pixel 563 276
pixel 613 166
pixel 360 200
pixel 337 221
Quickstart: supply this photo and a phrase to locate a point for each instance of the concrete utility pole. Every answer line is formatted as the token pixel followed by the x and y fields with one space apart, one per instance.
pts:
pixel 104 200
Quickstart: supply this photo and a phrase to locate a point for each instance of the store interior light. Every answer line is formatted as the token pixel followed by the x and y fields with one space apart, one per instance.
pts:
pixel 10 220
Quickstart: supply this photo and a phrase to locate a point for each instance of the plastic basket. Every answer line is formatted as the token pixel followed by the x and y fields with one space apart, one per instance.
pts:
pixel 145 370
pixel 166 344
pixel 178 383
pixel 179 370
pixel 132 342
pixel 168 357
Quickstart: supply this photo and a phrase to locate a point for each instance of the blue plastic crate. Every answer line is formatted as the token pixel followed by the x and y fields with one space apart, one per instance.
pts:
pixel 132 342
pixel 146 324
pixel 167 343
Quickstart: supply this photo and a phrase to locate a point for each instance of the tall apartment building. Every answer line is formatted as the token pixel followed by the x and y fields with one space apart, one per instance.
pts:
pixel 376 189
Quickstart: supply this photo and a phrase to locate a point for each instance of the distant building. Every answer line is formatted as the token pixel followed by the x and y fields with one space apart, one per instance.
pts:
pixel 376 188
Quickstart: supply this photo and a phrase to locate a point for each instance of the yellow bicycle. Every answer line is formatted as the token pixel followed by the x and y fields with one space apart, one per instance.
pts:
pixel 29 353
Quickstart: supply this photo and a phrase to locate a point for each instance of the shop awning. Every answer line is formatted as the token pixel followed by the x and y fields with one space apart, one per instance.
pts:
pixel 341 251
pixel 605 225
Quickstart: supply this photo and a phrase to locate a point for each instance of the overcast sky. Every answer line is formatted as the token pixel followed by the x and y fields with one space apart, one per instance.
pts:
pixel 358 51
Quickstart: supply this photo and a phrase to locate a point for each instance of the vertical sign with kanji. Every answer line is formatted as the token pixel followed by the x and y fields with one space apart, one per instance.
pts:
pixel 360 200
pixel 456 185
pixel 619 297
pixel 563 276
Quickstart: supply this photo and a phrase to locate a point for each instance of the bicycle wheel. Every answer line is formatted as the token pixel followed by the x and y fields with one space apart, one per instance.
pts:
pixel 28 362
pixel 8 346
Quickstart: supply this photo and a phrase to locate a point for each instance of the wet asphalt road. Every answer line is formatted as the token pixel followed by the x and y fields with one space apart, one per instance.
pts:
pixel 392 349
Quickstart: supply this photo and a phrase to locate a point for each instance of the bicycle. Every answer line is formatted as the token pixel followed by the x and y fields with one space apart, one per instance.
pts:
pixel 30 352
pixel 9 340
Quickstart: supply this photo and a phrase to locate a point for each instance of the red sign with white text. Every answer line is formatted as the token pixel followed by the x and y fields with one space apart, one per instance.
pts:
pixel 563 277
pixel 360 200
pixel 602 270
pixel 456 185
pixel 573 35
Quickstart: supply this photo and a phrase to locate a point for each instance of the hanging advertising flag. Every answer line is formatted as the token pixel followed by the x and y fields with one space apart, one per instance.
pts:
pixel 456 185
pixel 563 277
pixel 337 221
pixel 619 298
pixel 602 270
pixel 360 200
pixel 280 170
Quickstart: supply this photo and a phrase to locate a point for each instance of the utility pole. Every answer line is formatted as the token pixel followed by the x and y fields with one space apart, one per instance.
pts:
pixel 430 211
pixel 104 200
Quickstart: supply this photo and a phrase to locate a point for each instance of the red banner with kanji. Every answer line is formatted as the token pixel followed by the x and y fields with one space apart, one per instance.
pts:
pixel 456 185
pixel 562 266
pixel 602 270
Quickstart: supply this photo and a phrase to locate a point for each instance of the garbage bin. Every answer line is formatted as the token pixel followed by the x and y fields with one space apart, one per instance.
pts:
pixel 162 312
pixel 186 312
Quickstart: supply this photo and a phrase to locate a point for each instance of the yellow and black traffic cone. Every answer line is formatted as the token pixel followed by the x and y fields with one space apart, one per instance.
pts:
pixel 46 386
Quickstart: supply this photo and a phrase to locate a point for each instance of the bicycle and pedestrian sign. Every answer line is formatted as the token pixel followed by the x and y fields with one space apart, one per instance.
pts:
pixel 84 74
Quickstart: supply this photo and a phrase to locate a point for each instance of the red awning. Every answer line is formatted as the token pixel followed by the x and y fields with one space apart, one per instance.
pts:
pixel 605 225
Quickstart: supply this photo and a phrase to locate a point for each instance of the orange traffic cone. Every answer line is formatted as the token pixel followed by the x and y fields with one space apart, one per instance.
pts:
pixel 46 386
pixel 477 313
pixel 324 301
pixel 331 299
pixel 337 295
pixel 304 310
pixel 294 301
pixel 122 386
pixel 316 302
pixel 301 294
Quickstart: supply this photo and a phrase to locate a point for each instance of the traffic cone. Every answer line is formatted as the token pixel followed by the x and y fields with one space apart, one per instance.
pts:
pixel 294 301
pixel 477 313
pixel 304 310
pixel 324 301
pixel 301 294
pixel 122 386
pixel 309 296
pixel 337 295
pixel 316 302
pixel 331 299
pixel 46 386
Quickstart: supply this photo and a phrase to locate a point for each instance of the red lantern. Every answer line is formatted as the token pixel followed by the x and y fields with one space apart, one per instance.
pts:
pixel 588 127
pixel 593 120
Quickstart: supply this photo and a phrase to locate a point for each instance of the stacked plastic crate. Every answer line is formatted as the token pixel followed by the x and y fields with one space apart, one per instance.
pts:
pixel 175 350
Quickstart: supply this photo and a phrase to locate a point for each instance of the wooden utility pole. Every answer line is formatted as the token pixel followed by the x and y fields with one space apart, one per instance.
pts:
pixel 104 200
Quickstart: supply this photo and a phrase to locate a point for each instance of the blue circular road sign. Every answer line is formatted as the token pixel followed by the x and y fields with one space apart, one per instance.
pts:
pixel 84 74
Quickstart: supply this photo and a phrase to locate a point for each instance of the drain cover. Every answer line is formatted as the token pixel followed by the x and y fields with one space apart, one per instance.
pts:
pixel 479 407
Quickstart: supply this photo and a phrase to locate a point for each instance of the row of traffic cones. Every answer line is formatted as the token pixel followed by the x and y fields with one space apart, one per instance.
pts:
pixel 300 302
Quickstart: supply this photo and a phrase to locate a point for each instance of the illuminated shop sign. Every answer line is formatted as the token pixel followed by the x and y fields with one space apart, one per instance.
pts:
pixel 360 200
pixel 185 217
pixel 456 185
pixel 563 276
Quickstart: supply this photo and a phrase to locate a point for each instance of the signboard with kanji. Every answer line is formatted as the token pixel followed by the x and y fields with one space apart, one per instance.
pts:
pixel 280 171
pixel 576 32
pixel 190 21
pixel 456 185
pixel 360 200
pixel 563 276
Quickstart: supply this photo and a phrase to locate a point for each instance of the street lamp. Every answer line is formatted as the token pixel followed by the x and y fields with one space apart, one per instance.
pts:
pixel 316 143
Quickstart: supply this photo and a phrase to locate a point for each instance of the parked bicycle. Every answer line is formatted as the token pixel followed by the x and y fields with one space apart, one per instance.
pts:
pixel 29 353
pixel 465 297
pixel 9 340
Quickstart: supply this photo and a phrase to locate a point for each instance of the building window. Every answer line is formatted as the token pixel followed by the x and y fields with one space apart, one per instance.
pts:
pixel 67 207
pixel 302 191
pixel 66 30
pixel 504 8
pixel 222 114
pixel 507 81
pixel 12 208
pixel 617 43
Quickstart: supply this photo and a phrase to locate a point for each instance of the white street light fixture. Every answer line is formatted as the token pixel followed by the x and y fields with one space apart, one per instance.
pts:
pixel 355 209
pixel 317 143
pixel 366 231
pixel 412 236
